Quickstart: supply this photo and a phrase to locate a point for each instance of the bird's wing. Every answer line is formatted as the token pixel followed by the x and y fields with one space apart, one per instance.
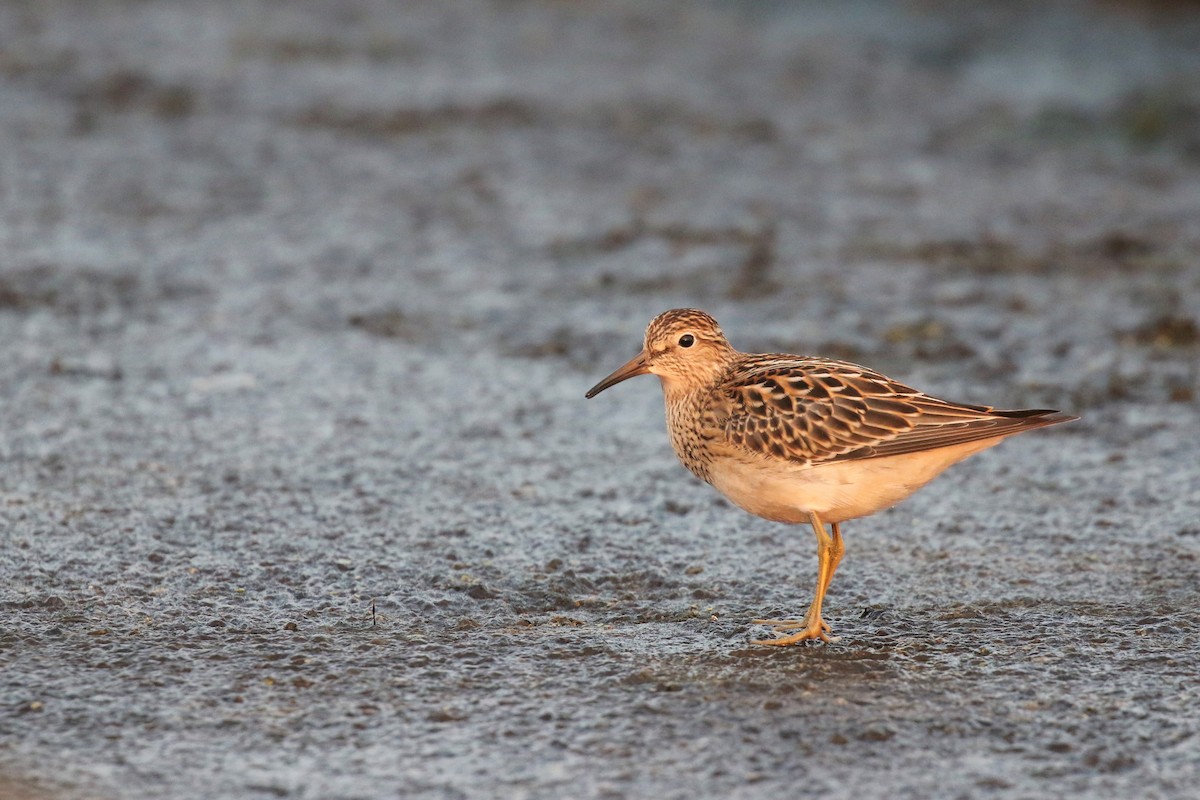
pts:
pixel 813 411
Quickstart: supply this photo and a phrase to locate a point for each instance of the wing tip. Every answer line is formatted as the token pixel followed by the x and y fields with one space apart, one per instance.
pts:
pixel 1039 416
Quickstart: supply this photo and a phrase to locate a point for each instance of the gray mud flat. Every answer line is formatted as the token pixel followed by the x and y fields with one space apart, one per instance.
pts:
pixel 298 303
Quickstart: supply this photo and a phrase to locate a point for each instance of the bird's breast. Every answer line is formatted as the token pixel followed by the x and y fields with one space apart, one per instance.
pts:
pixel 692 431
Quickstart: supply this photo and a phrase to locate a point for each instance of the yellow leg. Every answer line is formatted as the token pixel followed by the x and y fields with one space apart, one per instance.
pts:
pixel 829 554
pixel 837 550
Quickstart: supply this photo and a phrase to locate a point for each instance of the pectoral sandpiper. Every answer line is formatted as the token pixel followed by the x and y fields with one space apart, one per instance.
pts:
pixel 802 439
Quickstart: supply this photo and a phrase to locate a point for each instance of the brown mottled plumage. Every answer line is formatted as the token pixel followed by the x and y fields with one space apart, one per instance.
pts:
pixel 802 439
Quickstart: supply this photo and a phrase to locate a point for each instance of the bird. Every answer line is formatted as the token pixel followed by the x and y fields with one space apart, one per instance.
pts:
pixel 804 439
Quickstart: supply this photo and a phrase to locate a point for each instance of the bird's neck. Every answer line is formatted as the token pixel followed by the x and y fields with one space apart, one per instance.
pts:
pixel 689 401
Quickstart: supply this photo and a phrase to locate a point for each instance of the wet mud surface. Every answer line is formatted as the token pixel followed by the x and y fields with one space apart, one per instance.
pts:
pixel 299 494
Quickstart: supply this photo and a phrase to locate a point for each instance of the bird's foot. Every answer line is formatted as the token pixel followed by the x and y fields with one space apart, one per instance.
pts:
pixel 781 625
pixel 806 629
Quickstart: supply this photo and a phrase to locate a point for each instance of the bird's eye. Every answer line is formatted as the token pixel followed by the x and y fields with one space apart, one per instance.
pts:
pixel 687 340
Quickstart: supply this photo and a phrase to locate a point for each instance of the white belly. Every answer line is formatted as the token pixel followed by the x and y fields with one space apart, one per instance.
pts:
pixel 837 491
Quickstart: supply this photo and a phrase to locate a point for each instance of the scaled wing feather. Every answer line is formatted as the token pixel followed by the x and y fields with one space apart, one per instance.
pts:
pixel 813 411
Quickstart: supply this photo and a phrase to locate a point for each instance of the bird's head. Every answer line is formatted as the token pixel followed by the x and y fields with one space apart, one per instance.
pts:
pixel 684 347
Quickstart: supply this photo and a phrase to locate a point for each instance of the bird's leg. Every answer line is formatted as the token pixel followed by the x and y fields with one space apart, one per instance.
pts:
pixel 838 549
pixel 823 545
pixel 829 553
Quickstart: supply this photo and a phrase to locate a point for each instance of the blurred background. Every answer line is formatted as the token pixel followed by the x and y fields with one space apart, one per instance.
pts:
pixel 298 302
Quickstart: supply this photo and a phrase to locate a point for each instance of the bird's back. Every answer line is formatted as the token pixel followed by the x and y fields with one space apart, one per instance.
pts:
pixel 816 410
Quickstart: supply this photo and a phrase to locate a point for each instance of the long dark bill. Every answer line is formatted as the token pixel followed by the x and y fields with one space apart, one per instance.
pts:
pixel 635 366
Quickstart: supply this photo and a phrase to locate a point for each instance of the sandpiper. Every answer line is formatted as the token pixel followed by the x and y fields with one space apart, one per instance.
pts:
pixel 804 439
